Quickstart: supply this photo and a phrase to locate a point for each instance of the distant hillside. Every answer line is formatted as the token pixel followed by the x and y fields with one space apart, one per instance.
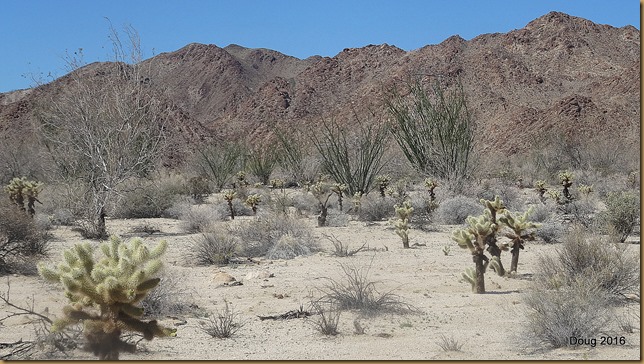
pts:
pixel 559 72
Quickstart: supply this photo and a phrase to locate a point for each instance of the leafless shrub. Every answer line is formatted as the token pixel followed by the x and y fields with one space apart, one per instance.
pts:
pixel 357 291
pixel 328 317
pixel 550 232
pixel 20 237
pixel 149 198
pixel 169 297
pixel 341 249
pixel 222 324
pixel 449 343
pixel 337 218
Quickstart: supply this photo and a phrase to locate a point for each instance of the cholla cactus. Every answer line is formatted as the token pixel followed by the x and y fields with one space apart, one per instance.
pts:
pixel 565 178
pixel 229 196
pixel 277 183
pixel 494 208
pixel 322 191
pixel 540 186
pixel 357 201
pixel 519 226
pixel 555 195
pixel 585 190
pixel 338 189
pixel 241 179
pixel 383 183
pixel 19 188
pixel 431 184
pixel 474 238
pixel 252 201
pixel 403 212
pixel 105 294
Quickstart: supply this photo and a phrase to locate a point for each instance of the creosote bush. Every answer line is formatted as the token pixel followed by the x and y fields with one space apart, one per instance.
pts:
pixel 622 214
pixel 105 294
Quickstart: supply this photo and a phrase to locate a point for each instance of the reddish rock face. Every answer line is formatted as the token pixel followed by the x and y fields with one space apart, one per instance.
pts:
pixel 558 72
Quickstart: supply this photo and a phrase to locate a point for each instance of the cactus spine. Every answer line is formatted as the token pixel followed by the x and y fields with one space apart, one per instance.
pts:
pixel 104 294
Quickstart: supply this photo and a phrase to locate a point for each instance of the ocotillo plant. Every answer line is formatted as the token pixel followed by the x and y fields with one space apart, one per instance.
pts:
pixel 474 238
pixel 403 212
pixel 382 182
pixel 565 178
pixel 105 294
pixel 493 209
pixel 519 226
pixel 338 189
pixel 322 191
pixel 229 196
pixel 252 201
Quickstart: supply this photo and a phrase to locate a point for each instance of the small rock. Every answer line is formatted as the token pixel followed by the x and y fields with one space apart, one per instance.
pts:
pixel 262 274
pixel 223 277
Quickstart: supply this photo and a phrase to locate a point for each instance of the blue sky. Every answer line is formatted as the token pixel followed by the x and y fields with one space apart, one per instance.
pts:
pixel 35 34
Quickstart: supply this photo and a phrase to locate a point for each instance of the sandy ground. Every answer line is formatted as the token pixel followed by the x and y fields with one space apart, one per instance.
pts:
pixel 490 326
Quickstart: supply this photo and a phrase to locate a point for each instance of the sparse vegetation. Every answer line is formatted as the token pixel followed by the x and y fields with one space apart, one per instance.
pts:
pixel 222 324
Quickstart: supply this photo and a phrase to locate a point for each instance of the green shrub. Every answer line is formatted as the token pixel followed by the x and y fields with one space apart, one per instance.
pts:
pixel 622 214
pixel 213 247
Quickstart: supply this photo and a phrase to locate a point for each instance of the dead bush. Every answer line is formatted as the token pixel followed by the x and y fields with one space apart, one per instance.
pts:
pixel 168 298
pixel 449 343
pixel 149 199
pixel 328 317
pixel 357 291
pixel 222 324
pixel 198 218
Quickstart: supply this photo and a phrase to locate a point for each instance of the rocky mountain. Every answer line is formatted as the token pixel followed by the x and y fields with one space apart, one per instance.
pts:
pixel 559 74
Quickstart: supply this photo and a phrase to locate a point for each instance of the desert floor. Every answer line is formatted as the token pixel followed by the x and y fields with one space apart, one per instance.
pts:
pixel 490 326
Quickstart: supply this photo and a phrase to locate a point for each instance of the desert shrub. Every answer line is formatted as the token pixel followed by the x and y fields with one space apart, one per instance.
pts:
pixel 490 188
pixel 376 208
pixel 213 247
pixel 541 212
pixel 149 199
pixel 577 310
pixel 579 212
pixel 337 218
pixel 455 210
pixel 169 297
pixel 449 343
pixel 611 267
pixel 622 214
pixel 275 237
pixel 341 249
pixel 20 236
pixel 357 291
pixel 328 317
pixel 550 231
pixel 198 218
pixel 222 324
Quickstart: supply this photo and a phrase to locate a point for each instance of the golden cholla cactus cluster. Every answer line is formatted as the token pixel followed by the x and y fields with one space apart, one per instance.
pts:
pixel 104 294
pixel 21 188
pixel 403 212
